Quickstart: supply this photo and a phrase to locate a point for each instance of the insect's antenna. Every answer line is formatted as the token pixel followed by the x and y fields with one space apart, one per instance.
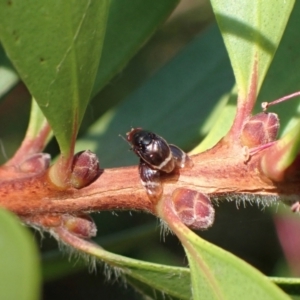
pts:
pixel 121 136
pixel 265 105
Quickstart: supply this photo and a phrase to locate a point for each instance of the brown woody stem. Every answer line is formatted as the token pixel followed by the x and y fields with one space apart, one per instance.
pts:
pixel 219 171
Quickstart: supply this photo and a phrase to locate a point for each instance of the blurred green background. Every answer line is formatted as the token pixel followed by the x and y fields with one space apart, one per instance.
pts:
pixel 170 87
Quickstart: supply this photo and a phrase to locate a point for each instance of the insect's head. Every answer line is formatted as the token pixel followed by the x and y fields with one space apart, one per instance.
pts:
pixel 139 138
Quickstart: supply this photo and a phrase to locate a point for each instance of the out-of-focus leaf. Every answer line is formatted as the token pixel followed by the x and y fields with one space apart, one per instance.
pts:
pixel 287 227
pixel 56 46
pixel 37 121
pixel 175 102
pixel 251 31
pixel 19 263
pixel 282 154
pixel 8 76
pixel 129 25
pixel 219 122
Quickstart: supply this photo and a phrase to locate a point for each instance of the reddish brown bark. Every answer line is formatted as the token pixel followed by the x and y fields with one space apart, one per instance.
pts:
pixel 219 171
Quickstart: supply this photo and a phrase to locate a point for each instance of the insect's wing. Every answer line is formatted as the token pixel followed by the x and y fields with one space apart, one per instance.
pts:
pixel 182 160
pixel 158 155
pixel 150 179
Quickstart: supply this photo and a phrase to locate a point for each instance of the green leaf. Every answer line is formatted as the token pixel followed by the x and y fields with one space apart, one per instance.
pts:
pixel 251 31
pixel 37 122
pixel 19 261
pixel 8 76
pixel 219 122
pixel 37 136
pixel 148 292
pixel 130 24
pixel 56 264
pixel 275 85
pixel 279 81
pixel 56 47
pixel 159 277
pixel 216 273
pixel 183 99
pixel 289 285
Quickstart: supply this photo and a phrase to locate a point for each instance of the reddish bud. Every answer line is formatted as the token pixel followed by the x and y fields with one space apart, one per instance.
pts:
pixel 82 225
pixel 35 163
pixel 260 129
pixel 85 169
pixel 194 209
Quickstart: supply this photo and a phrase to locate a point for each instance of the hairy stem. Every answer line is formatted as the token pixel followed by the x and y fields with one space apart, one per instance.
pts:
pixel 219 171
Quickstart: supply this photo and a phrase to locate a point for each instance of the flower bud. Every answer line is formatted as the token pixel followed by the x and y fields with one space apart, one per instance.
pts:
pixel 194 209
pixel 81 225
pixel 260 129
pixel 85 169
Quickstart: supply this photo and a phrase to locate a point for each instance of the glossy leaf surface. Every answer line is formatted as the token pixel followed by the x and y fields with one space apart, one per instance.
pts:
pixel 217 274
pixel 251 31
pixel 56 48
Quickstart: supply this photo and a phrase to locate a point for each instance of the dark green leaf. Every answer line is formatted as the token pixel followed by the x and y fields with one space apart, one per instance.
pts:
pixel 130 23
pixel 56 46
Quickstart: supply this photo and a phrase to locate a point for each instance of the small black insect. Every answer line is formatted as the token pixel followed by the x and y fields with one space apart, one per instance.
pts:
pixel 156 156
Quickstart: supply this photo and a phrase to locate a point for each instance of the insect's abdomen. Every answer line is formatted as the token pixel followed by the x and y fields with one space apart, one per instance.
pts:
pixel 158 156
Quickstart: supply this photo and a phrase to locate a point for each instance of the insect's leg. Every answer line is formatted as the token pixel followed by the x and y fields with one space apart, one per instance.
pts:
pixel 182 160
pixel 150 179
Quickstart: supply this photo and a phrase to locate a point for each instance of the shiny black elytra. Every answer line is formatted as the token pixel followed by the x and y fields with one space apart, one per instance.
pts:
pixel 156 156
